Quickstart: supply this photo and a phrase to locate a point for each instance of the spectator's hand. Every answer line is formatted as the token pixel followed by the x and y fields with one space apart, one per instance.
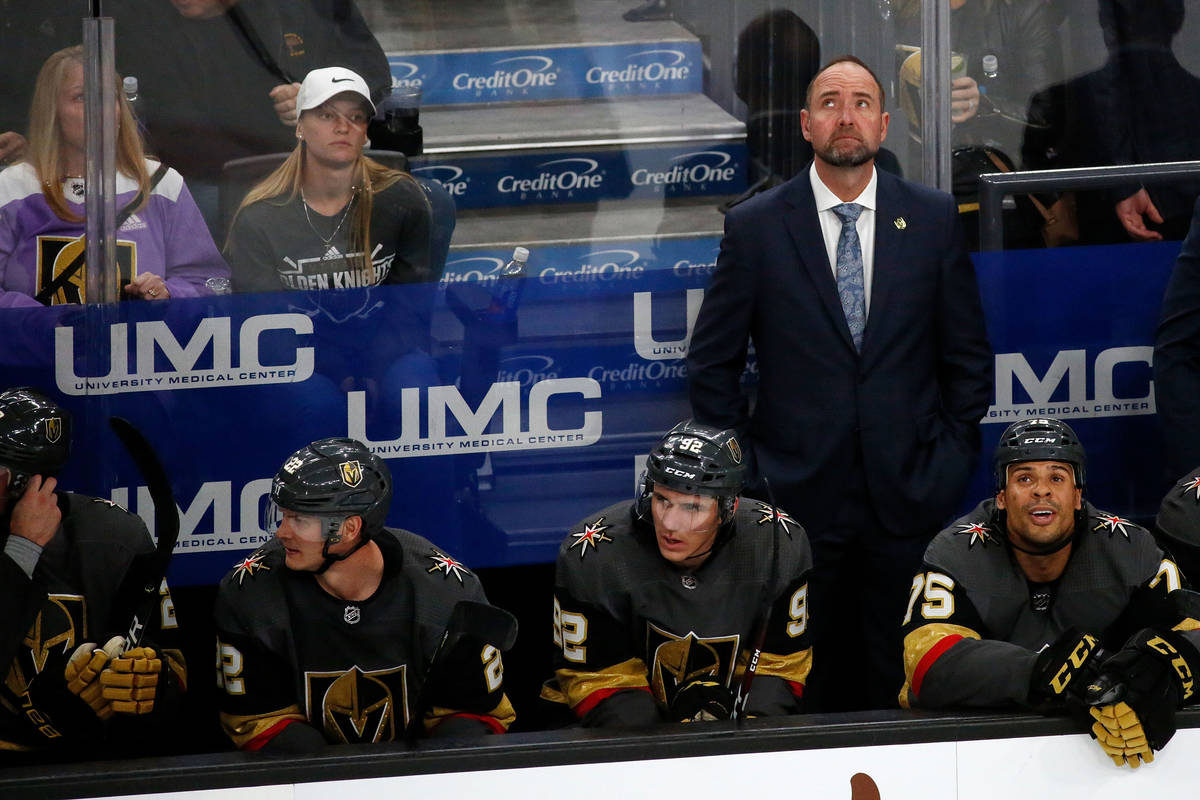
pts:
pixel 12 146
pixel 36 516
pixel 964 99
pixel 148 286
pixel 284 98
pixel 1132 211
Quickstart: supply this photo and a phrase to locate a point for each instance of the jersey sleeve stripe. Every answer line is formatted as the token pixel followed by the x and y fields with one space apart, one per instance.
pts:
pixel 793 667
pixel 259 729
pixel 580 686
pixel 595 698
pixel 497 719
pixel 931 656
pixel 493 725
pixel 923 646
pixel 259 741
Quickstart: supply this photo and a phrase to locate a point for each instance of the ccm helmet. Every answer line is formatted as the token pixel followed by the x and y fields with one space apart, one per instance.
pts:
pixel 335 479
pixel 696 459
pixel 35 434
pixel 1039 440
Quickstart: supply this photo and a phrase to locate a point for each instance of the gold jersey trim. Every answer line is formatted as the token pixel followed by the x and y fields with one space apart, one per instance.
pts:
pixel 578 685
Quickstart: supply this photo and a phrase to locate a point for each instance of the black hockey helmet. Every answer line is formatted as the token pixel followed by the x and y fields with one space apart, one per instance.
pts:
pixel 696 459
pixel 35 433
pixel 1040 439
pixel 1178 522
pixel 335 478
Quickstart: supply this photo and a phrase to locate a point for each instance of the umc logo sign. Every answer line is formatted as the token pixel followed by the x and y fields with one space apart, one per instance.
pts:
pixel 447 410
pixel 161 361
pixel 1120 380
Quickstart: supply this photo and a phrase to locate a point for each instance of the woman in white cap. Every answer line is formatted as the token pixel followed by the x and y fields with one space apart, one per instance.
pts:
pixel 329 217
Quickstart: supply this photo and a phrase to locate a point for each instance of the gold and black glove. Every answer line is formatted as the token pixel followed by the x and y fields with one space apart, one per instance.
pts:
pixel 1120 734
pixel 1139 689
pixel 131 681
pixel 701 701
pixel 1063 671
pixel 84 668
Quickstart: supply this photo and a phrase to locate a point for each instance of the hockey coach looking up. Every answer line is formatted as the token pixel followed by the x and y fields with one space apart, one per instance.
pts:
pixel 1038 599
pixel 335 631
pixel 660 605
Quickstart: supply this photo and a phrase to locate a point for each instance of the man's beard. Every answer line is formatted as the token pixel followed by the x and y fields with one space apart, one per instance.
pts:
pixel 854 156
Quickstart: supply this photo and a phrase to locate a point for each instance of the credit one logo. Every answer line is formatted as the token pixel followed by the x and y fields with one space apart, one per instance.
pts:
pixel 404 75
pixel 527 370
pixel 482 269
pixel 519 72
pixel 598 265
pixel 704 166
pixel 668 67
pixel 653 349
pixel 154 342
pixel 444 405
pixel 215 501
pixel 448 177
pixel 565 175
pixel 1076 371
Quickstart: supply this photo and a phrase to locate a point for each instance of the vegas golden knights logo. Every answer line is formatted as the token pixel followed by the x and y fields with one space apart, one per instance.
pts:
pixel 358 706
pixel 735 450
pixel 678 660
pixel 53 429
pixel 351 472
pixel 58 629
pixel 56 254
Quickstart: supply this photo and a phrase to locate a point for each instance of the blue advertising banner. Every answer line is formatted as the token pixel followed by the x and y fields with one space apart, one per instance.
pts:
pixel 508 408
pixel 514 179
pixel 567 72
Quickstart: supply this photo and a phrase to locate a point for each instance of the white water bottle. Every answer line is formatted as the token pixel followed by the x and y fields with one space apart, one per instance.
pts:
pixel 129 85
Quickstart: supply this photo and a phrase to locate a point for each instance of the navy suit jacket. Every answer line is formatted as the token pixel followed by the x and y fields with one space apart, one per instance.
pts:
pixel 910 403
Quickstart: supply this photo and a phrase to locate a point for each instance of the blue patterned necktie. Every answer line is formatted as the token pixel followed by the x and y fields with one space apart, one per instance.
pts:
pixel 850 284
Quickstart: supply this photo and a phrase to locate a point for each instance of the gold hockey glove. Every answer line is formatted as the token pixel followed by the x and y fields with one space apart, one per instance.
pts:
pixel 131 681
pixel 86 664
pixel 1120 734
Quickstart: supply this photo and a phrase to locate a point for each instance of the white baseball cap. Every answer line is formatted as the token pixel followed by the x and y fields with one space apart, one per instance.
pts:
pixel 322 84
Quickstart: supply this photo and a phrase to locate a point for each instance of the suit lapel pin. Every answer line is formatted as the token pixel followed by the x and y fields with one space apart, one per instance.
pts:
pixel 900 223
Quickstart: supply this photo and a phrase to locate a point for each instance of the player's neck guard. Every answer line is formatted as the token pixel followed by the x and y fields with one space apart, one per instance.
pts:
pixel 1001 523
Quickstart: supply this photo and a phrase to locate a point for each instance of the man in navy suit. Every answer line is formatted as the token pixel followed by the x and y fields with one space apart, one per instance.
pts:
pixel 874 370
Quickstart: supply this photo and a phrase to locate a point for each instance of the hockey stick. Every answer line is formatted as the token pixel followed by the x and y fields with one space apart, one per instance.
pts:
pixel 472 620
pixel 760 635
pixel 149 574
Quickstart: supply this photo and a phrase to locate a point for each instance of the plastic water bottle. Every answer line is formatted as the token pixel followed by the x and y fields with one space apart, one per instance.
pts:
pixel 991 66
pixel 130 86
pixel 991 69
pixel 508 293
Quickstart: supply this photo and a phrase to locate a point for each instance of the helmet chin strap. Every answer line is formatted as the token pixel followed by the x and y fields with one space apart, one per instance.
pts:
pixel 333 538
pixel 331 558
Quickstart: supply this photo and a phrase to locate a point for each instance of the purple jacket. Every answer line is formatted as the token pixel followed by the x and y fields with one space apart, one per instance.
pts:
pixel 167 236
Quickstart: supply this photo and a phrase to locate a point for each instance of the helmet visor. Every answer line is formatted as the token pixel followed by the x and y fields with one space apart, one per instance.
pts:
pixel 683 516
pixel 309 527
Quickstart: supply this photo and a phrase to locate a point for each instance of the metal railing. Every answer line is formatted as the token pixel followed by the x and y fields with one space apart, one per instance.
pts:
pixel 993 186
